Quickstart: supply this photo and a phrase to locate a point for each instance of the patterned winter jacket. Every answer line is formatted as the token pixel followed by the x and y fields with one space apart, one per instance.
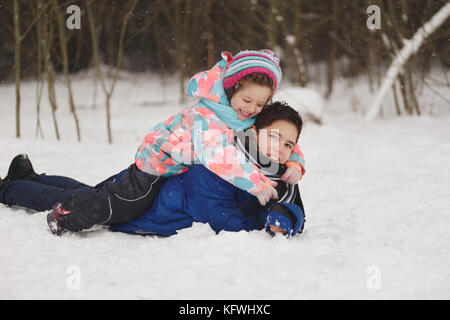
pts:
pixel 198 135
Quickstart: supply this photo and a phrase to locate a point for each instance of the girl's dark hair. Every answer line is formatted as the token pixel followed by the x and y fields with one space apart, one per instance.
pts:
pixel 279 110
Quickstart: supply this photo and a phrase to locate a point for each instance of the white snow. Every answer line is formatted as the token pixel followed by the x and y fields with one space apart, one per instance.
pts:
pixel 290 39
pixel 307 101
pixel 376 197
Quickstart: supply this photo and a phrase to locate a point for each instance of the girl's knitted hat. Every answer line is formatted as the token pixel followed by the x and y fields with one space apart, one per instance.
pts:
pixel 251 61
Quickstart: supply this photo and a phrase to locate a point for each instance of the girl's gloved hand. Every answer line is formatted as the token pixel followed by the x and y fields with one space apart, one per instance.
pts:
pixel 267 194
pixel 291 176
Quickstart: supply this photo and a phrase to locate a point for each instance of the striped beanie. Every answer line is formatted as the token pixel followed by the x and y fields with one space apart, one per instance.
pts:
pixel 250 61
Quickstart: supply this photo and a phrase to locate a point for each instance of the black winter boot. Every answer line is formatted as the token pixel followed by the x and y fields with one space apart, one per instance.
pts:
pixel 20 168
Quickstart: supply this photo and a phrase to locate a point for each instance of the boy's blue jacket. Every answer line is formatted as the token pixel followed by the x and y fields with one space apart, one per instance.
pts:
pixel 199 195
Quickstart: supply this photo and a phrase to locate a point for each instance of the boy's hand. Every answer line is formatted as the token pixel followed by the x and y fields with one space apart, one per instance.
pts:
pixel 287 218
pixel 267 194
pixel 276 229
pixel 291 176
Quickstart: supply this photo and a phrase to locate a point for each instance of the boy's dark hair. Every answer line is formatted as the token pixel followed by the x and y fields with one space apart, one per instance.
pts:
pixel 279 110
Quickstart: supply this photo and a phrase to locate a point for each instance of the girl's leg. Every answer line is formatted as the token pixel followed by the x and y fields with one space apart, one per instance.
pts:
pixel 110 179
pixel 34 195
pixel 113 202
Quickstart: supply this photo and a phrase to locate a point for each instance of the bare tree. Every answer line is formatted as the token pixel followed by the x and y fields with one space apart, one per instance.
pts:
pixel 292 41
pixel 17 44
pixel 36 9
pixel 18 39
pixel 186 36
pixel 47 36
pixel 65 62
pixel 333 47
pixel 410 47
pixel 181 19
pixel 108 91
pixel 209 34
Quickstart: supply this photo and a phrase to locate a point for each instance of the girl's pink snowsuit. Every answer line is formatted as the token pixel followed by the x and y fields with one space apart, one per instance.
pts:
pixel 197 135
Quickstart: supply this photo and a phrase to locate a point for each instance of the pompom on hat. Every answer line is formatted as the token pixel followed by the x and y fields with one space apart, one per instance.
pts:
pixel 252 61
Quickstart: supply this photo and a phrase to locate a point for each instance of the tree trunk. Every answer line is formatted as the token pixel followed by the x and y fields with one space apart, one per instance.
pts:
pixel 95 53
pixel 333 49
pixel 293 44
pixel 412 92
pixel 52 97
pixel 272 24
pixel 17 45
pixel 39 77
pixel 394 92
pixel 401 79
pixel 47 44
pixel 108 92
pixel 209 34
pixel 65 61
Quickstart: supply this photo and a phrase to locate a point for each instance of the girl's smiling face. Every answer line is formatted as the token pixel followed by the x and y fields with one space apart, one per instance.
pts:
pixel 249 99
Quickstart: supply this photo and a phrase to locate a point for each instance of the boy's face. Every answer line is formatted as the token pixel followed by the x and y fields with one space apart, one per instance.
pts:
pixel 249 99
pixel 277 140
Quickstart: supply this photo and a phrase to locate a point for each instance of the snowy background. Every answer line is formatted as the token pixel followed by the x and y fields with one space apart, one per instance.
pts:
pixel 376 198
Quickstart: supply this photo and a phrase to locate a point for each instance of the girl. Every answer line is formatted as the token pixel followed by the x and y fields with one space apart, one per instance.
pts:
pixel 204 134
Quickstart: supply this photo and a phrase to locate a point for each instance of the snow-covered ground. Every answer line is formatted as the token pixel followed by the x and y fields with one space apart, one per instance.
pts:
pixel 376 197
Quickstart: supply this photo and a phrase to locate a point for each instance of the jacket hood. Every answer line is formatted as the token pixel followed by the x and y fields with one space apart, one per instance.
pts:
pixel 209 84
